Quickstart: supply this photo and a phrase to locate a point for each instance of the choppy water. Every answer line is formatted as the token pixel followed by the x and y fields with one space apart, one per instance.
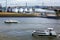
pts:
pixel 23 29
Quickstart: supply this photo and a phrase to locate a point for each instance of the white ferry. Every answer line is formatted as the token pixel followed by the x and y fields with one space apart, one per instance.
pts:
pixel 10 21
pixel 49 32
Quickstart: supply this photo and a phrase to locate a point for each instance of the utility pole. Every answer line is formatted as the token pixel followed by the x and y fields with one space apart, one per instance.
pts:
pixel 42 3
pixel 26 4
pixel 6 5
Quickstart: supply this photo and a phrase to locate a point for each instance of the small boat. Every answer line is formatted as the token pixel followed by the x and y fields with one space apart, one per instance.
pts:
pixel 49 32
pixel 11 21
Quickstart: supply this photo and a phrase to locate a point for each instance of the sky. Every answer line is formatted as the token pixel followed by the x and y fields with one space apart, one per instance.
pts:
pixel 30 2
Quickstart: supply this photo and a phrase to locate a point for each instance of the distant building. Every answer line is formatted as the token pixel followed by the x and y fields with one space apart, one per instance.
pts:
pixel 21 10
pixel 44 10
pixel 15 10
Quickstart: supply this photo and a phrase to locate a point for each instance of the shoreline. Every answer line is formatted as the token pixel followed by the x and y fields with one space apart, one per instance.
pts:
pixel 9 14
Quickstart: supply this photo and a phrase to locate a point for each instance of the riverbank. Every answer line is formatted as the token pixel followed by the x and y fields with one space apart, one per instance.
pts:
pixel 9 14
pixel 12 14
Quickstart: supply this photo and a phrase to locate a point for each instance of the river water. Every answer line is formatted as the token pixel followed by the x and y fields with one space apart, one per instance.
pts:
pixel 23 29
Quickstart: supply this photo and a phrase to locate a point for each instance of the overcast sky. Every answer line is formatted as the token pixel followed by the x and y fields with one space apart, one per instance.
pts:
pixel 30 2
